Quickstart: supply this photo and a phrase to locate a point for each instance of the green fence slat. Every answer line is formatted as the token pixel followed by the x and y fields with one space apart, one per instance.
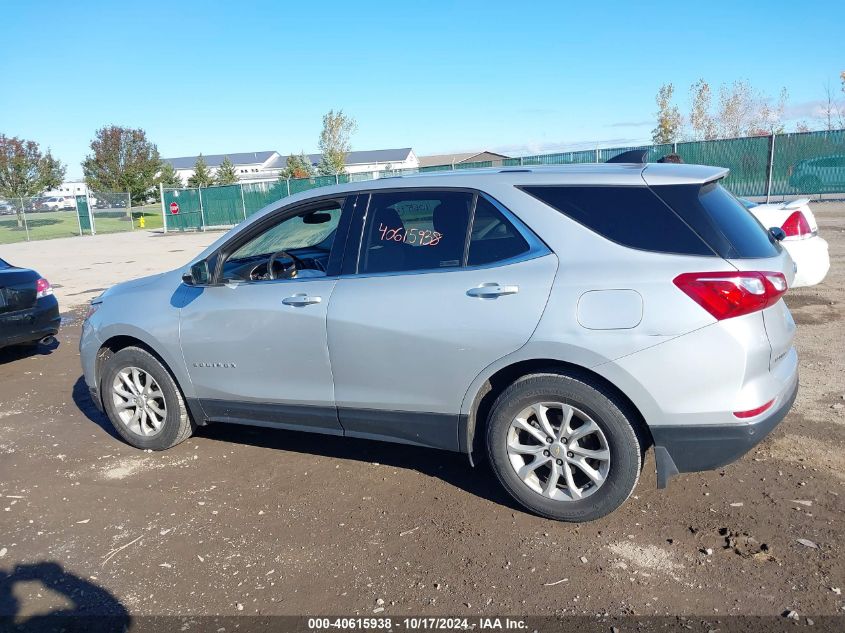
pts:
pixel 809 162
pixel 812 162
pixel 84 217
pixel 189 216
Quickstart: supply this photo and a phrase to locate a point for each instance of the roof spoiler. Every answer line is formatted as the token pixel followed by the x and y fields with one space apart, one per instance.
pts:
pixel 636 156
pixel 800 202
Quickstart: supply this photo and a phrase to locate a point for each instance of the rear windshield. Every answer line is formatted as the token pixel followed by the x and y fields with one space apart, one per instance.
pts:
pixel 4 264
pixel 631 216
pixel 727 226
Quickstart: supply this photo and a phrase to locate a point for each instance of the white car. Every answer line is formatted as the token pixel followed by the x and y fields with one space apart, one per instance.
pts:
pixel 801 241
pixel 54 203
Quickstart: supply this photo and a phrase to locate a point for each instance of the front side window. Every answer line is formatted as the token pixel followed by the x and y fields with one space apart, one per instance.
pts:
pixel 302 231
pixel 298 246
pixel 415 230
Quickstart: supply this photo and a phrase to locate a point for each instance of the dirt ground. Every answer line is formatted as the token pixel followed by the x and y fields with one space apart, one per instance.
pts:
pixel 240 520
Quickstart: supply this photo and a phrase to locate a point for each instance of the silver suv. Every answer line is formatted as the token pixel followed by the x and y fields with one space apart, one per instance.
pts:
pixel 558 321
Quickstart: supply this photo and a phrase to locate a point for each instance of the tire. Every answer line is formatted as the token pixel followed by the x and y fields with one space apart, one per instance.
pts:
pixel 174 423
pixel 614 442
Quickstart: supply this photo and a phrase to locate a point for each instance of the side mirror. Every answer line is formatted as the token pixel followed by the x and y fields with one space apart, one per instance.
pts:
pixel 198 275
pixel 777 233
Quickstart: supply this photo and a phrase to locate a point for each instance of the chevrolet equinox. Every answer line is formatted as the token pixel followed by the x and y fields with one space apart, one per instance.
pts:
pixel 558 321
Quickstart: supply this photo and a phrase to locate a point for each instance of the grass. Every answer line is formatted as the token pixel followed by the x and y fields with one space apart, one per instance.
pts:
pixel 52 224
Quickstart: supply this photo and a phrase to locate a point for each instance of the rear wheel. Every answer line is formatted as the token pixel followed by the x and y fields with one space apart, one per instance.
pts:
pixel 562 447
pixel 142 400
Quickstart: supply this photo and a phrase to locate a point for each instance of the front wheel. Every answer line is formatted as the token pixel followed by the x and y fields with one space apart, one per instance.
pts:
pixel 562 447
pixel 142 400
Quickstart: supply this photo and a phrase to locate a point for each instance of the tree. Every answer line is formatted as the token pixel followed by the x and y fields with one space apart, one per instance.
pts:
pixel 668 117
pixel 334 142
pixel 771 115
pixel 226 173
pixel 741 111
pixel 833 114
pixel 168 176
pixel 122 160
pixel 744 111
pixel 202 174
pixel 297 166
pixel 700 120
pixel 26 171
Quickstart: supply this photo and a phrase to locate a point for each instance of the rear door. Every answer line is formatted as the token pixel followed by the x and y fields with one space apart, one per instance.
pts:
pixel 443 283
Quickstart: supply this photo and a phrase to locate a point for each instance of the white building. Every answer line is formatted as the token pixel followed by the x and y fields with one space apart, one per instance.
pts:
pixel 375 160
pixel 250 166
pixel 69 188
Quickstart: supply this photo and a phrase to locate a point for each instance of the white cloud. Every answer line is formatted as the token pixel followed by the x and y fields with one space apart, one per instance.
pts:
pixel 810 109
pixel 548 147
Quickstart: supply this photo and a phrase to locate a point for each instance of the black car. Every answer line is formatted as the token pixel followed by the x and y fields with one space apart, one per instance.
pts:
pixel 29 312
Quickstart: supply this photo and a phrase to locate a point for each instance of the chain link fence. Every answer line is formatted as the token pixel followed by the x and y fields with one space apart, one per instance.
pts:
pixel 48 217
pixel 760 166
pixel 781 165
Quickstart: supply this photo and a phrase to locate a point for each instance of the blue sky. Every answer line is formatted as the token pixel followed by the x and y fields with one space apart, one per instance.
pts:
pixel 218 77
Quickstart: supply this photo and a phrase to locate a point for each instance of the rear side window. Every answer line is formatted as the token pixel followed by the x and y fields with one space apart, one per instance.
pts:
pixel 493 237
pixel 727 226
pixel 630 216
pixel 415 230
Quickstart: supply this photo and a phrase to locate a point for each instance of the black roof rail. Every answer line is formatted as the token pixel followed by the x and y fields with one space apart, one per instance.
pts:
pixel 636 156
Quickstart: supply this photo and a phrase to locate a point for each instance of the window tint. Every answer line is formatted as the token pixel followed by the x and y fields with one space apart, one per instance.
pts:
pixel 742 229
pixel 631 216
pixel 415 231
pixel 493 238
pixel 728 227
pixel 300 231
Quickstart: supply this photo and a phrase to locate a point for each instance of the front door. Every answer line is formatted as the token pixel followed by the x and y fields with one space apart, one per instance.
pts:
pixel 255 344
pixel 428 309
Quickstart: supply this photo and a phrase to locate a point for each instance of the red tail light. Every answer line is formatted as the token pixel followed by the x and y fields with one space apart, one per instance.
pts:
pixel 43 288
pixel 731 294
pixel 796 225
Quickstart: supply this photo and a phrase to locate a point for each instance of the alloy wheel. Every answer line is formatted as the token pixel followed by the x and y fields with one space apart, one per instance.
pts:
pixel 139 401
pixel 558 451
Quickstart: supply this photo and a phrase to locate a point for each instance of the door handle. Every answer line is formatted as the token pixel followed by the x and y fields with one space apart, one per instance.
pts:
pixel 301 300
pixel 492 290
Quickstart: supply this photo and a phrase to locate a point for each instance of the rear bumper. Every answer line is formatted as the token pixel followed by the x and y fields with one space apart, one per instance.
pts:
pixel 27 326
pixel 812 260
pixel 692 448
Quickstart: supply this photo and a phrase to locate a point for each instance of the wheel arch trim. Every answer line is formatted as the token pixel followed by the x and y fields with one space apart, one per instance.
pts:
pixel 537 359
pixel 125 335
